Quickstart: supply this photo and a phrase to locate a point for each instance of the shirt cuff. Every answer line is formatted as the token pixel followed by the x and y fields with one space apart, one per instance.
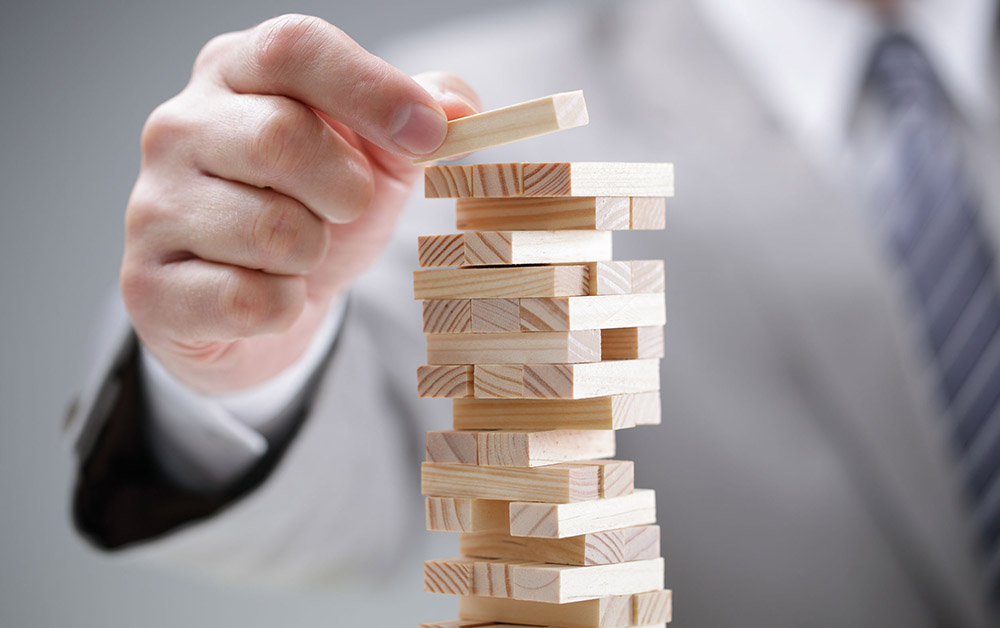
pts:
pixel 205 442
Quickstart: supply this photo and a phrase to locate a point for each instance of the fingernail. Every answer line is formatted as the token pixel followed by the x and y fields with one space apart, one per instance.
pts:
pixel 418 129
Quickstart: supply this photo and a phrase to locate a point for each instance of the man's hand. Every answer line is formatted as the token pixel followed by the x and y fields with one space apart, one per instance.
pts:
pixel 267 186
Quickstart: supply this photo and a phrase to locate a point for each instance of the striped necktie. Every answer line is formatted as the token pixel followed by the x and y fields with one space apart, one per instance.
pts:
pixel 930 219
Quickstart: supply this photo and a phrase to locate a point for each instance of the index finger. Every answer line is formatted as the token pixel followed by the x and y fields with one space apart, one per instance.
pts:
pixel 310 60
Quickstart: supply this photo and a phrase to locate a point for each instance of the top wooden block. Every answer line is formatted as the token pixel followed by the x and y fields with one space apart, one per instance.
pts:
pixel 549 179
pixel 510 124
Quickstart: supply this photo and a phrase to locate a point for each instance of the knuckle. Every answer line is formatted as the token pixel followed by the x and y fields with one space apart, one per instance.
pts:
pixel 243 303
pixel 279 144
pixel 214 49
pixel 279 236
pixel 359 192
pixel 137 286
pixel 145 209
pixel 164 128
pixel 282 43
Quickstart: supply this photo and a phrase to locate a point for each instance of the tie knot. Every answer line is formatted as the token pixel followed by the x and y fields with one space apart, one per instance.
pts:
pixel 903 73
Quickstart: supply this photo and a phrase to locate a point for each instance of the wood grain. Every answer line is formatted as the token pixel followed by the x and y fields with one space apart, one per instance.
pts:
pixel 632 343
pixel 558 483
pixel 508 282
pixel 447 316
pixel 510 124
pixel 556 521
pixel 450 514
pixel 597 413
pixel 488 248
pixel 592 312
pixel 648 213
pixel 595 548
pixel 518 449
pixel 606 612
pixel 647 276
pixel 544 347
pixel 445 381
pixel 533 213
pixel 494 315
pixel 576 179
pixel 565 381
pixel 558 584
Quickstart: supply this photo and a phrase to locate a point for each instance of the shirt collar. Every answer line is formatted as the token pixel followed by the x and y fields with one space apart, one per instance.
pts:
pixel 808 59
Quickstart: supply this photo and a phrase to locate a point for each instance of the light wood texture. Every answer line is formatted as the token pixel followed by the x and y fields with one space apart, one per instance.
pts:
pixel 487 248
pixel 557 521
pixel 519 449
pixel 632 343
pixel 450 514
pixel 647 276
pixel 509 282
pixel 448 182
pixel 565 381
pixel 648 213
pixel 591 312
pixel 610 278
pixel 530 213
pixel 544 347
pixel 616 478
pixel 510 124
pixel 493 315
pixel 577 179
pixel 598 413
pixel 652 607
pixel 617 611
pixel 559 483
pixel 467 623
pixel 445 381
pixel 447 316
pixel 558 584
pixel 606 612
pixel 595 548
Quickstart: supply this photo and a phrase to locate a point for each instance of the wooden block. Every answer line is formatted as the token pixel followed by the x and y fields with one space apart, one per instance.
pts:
pixel 632 343
pixel 647 276
pixel 598 413
pixel 591 312
pixel 558 584
pixel 565 381
pixel 447 182
pixel 577 179
pixel 441 250
pixel 493 315
pixel 445 381
pixel 557 521
pixel 543 347
pixel 648 213
pixel 461 623
pixel 559 483
pixel 519 449
pixel 452 447
pixel 451 514
pixel 447 316
pixel 618 611
pixel 531 213
pixel 652 607
pixel 509 282
pixel 497 179
pixel 606 612
pixel 610 278
pixel 597 179
pixel 490 248
pixel 595 548
pixel 510 124
pixel 617 477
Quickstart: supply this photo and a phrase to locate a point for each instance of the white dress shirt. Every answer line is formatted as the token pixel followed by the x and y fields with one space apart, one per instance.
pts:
pixel 808 61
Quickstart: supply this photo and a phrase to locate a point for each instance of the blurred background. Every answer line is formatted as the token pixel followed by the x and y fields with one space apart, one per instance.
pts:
pixel 77 80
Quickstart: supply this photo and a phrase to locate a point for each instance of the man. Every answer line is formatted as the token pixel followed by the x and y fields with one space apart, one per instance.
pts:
pixel 807 470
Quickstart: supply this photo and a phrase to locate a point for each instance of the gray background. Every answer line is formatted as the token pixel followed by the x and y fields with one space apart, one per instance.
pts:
pixel 77 80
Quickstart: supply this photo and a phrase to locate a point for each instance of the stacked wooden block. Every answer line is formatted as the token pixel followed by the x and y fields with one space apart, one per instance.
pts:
pixel 546 345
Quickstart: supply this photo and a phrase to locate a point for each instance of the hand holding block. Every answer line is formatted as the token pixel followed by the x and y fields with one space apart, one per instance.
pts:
pixel 510 124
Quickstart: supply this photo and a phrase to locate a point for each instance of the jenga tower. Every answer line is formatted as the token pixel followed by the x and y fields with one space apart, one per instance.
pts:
pixel 546 346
